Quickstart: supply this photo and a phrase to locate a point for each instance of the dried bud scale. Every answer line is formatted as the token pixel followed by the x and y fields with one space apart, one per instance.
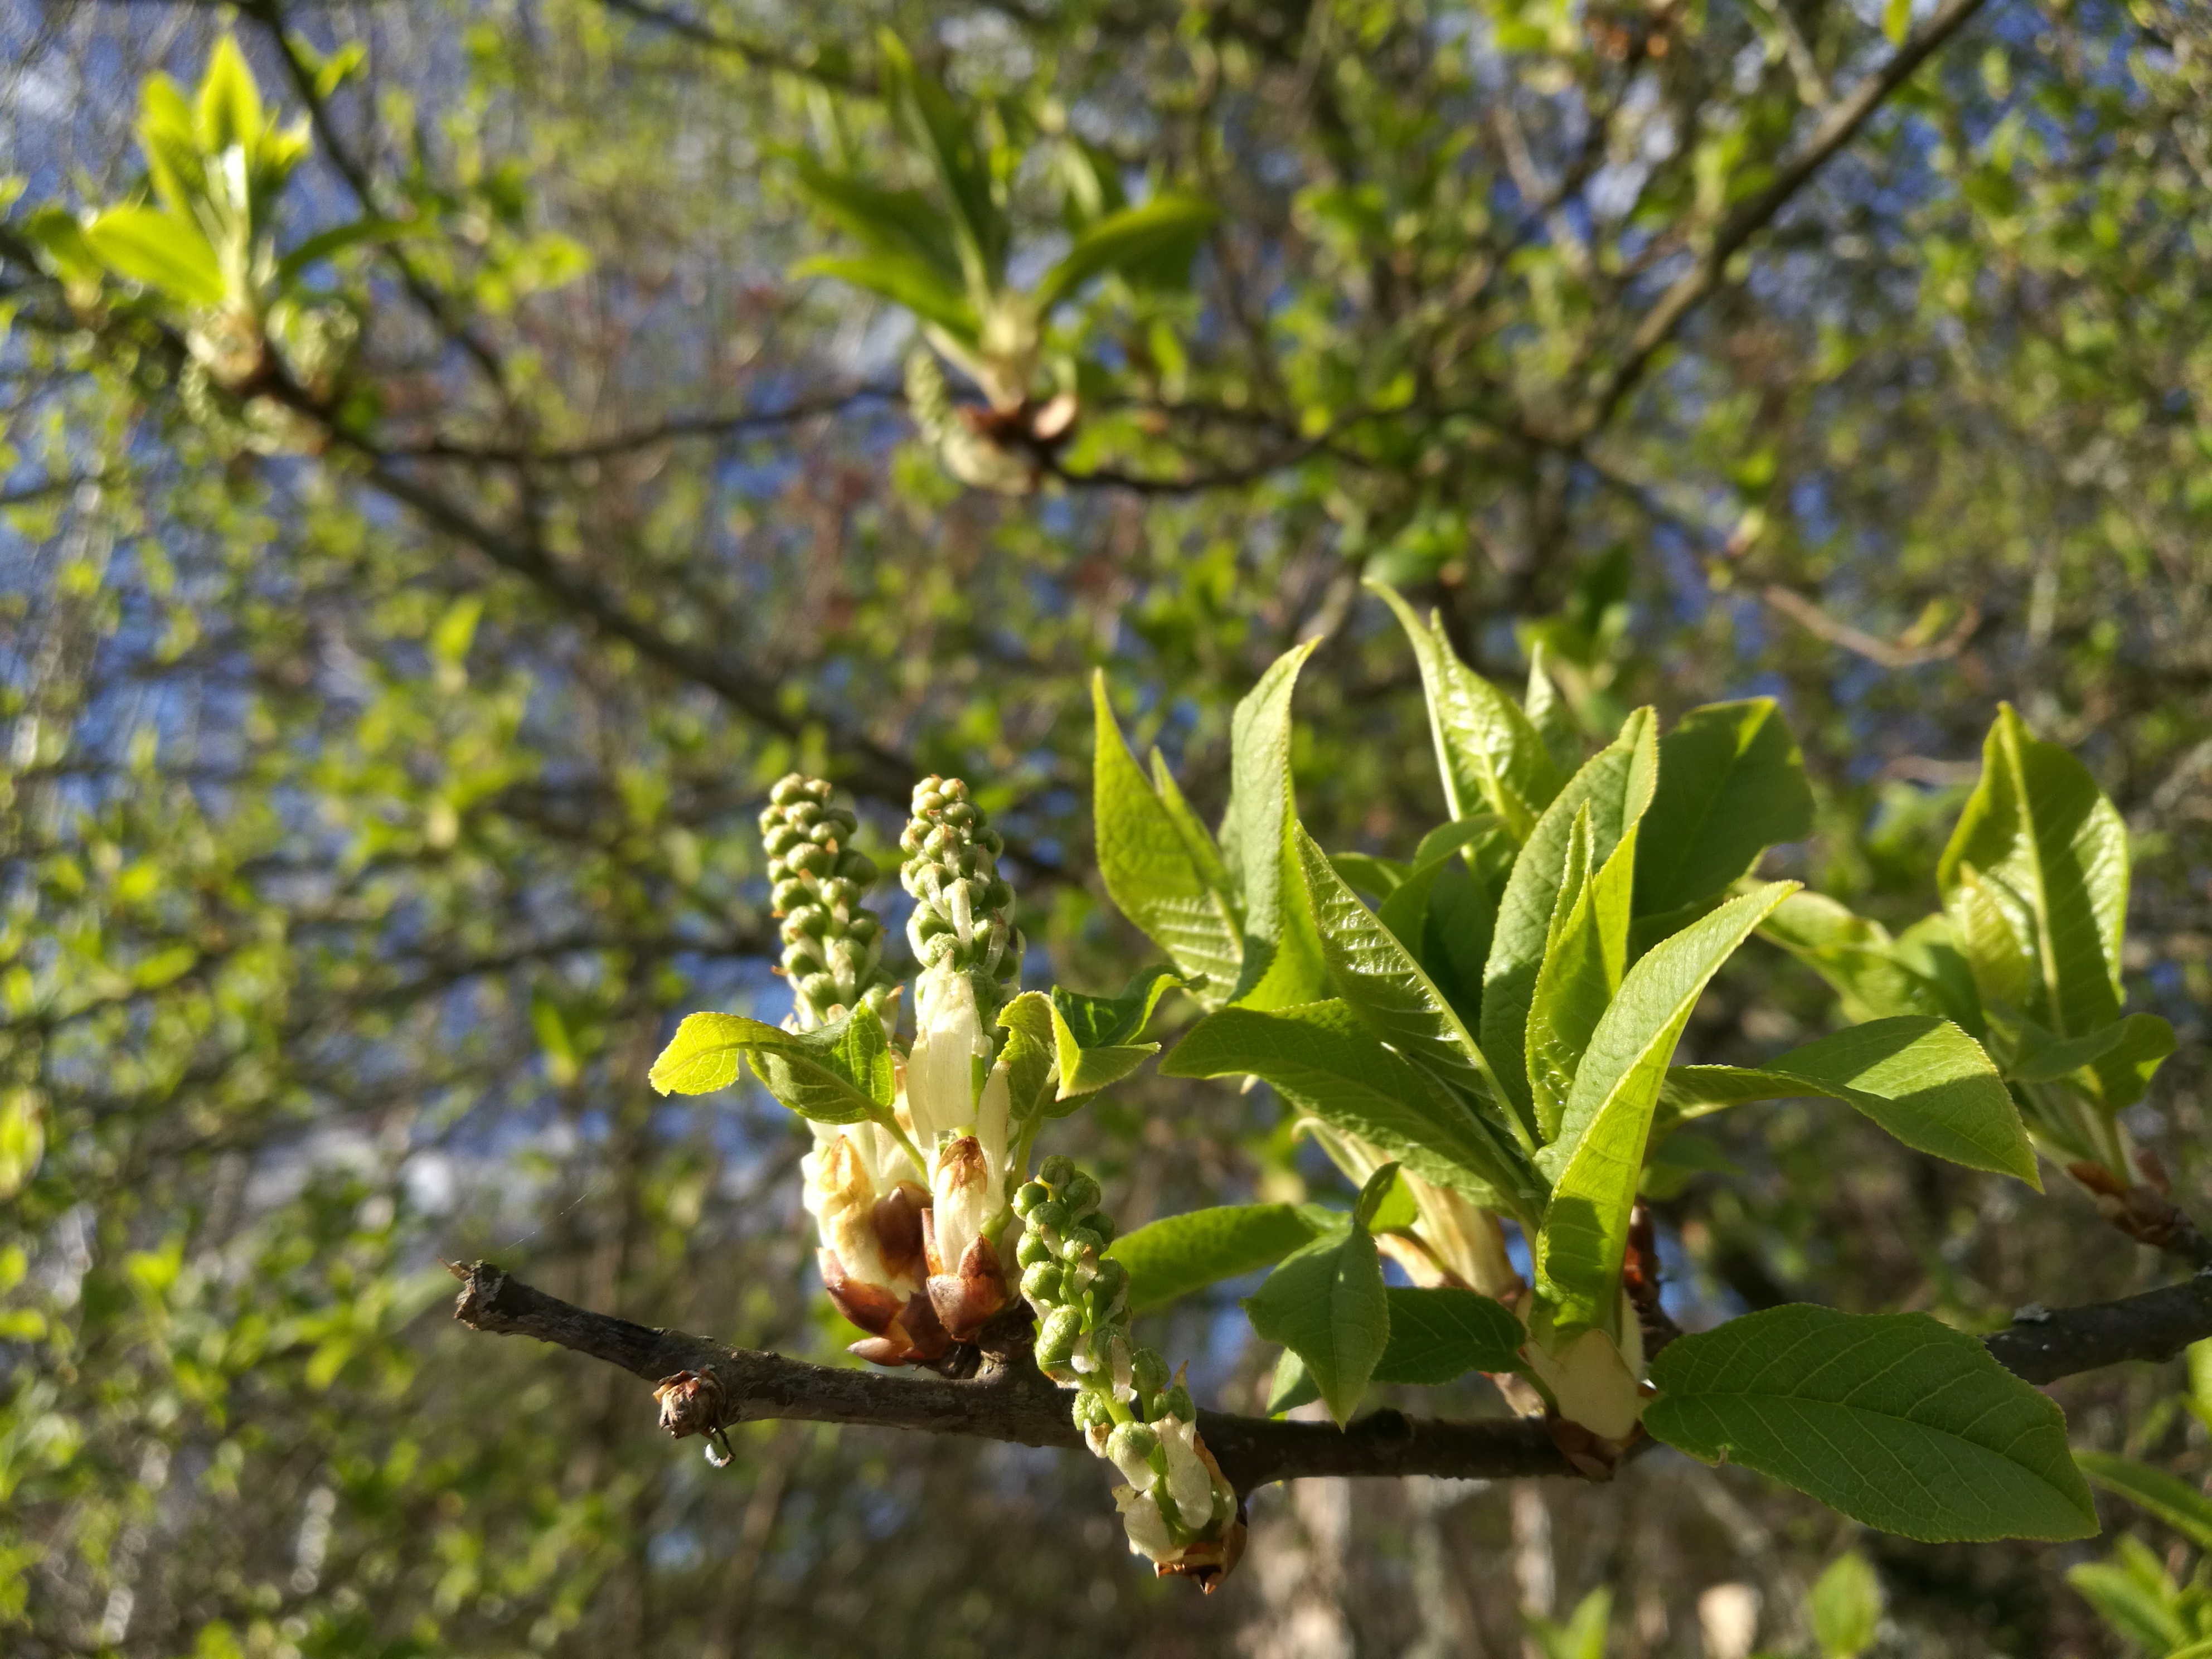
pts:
pixel 833 945
pixel 1179 1509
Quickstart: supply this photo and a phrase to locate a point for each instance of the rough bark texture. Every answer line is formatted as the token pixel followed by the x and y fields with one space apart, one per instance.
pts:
pixel 1009 1399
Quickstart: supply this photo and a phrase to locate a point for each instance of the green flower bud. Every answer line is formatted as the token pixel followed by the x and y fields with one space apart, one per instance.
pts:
pixel 1079 1241
pixel 1057 1337
pixel 1107 1287
pixel 962 915
pixel 1102 1225
pixel 1080 1194
pixel 1057 1171
pixel 1029 1196
pixel 833 947
pixel 1041 1282
pixel 1181 1405
pixel 1032 1251
pixel 1051 1213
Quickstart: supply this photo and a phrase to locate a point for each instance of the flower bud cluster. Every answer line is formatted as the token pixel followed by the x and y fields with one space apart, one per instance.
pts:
pixel 963 910
pixel 833 946
pixel 1181 1512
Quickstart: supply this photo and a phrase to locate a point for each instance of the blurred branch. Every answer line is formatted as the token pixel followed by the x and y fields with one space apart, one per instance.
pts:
pixel 1838 128
pixel 813 65
pixel 1011 1400
pixel 1819 624
pixel 661 432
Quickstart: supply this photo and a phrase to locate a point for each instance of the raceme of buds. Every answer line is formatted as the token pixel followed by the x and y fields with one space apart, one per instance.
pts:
pixel 1179 1511
pixel 962 915
pixel 874 1222
pixel 833 946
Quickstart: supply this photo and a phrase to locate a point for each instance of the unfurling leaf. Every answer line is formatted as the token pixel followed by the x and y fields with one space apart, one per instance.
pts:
pixel 839 1074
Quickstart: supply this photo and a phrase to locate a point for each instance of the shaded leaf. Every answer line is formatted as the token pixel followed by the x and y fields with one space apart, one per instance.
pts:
pixel 2179 1504
pixel 1437 1335
pixel 1731 784
pixel 1894 1419
pixel 1326 1302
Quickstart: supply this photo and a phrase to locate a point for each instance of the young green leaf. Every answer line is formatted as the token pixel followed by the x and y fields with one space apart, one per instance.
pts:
pixel 1326 1302
pixel 1152 868
pixel 1489 752
pixel 1583 1634
pixel 2179 1504
pixel 900 223
pixel 1387 988
pixel 1323 1059
pixel 1292 1385
pixel 1164 227
pixel 933 123
pixel 1368 874
pixel 1030 1055
pixel 1437 1335
pixel 163 250
pixel 904 280
pixel 2035 878
pixel 1094 1037
pixel 1846 1606
pixel 1895 1419
pixel 1731 784
pixel 1922 1079
pixel 1854 955
pixel 1548 713
pixel 1282 953
pixel 1617 786
pixel 2134 1593
pixel 840 1073
pixel 1179 1253
pixel 1598 1156
pixel 1585 954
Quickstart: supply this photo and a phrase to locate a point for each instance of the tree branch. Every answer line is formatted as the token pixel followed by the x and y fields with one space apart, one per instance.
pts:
pixel 1838 128
pixel 1011 1400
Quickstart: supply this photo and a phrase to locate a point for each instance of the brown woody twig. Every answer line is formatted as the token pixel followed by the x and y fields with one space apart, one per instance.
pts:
pixel 706 1386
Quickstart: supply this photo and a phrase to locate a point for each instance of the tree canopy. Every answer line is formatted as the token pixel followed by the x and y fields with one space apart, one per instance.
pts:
pixel 457 459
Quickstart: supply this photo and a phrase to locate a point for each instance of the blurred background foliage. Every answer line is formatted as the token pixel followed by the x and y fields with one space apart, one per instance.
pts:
pixel 369 807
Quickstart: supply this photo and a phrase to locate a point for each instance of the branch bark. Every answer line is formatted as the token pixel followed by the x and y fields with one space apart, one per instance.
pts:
pixel 1011 1400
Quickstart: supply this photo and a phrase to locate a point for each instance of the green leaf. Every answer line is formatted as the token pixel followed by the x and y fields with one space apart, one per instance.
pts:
pixel 1292 1385
pixel 1180 1253
pixel 1489 752
pixel 841 1072
pixel 229 107
pixel 1322 1058
pixel 1282 953
pixel 1438 1335
pixel 1326 1302
pixel 1093 1036
pixel 327 244
pixel 937 127
pixel 2135 1596
pixel 1387 988
pixel 1854 955
pixel 1922 1079
pixel 22 1139
pixel 903 281
pixel 1599 1155
pixel 1554 722
pixel 1369 874
pixel 161 249
pixel 1030 1055
pixel 901 223
pixel 2179 1504
pixel 1159 865
pixel 1164 228
pixel 1583 1636
pixel 1585 953
pixel 1731 784
pixel 1893 1419
pixel 2035 879
pixel 1617 786
pixel 1846 1606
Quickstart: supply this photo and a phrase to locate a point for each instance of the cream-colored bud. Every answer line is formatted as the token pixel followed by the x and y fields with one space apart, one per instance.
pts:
pixel 1190 1483
pixel 949 1038
pixel 968 1196
pixel 1146 1527
pixel 1590 1383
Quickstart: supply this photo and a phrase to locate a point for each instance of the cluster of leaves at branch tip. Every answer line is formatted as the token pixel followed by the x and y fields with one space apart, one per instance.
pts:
pixel 1179 1511
pixel 1490 1045
pixel 943 255
pixel 202 255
